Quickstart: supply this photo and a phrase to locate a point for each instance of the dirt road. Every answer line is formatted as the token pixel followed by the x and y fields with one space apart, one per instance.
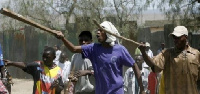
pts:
pixel 22 86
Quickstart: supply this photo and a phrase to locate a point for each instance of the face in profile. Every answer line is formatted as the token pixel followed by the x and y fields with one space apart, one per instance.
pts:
pixel 48 58
pixel 101 36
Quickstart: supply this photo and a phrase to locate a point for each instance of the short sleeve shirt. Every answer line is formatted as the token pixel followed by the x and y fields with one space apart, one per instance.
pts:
pixel 43 77
pixel 84 83
pixel 180 70
pixel 108 65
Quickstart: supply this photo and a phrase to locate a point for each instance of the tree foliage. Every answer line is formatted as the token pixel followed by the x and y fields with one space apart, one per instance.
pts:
pixel 185 11
pixel 59 14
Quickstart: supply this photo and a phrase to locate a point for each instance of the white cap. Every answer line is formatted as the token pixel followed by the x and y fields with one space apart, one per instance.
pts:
pixel 147 44
pixel 179 31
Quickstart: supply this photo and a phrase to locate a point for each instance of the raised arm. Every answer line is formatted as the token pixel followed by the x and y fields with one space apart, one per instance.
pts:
pixel 20 65
pixel 68 44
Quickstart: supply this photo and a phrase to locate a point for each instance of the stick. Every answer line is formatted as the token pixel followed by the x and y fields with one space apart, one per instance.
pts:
pixel 19 17
pixel 95 22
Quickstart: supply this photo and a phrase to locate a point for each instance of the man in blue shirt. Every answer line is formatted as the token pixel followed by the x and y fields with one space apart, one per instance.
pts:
pixel 107 59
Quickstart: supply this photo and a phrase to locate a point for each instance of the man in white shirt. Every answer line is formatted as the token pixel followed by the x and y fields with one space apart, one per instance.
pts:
pixel 58 52
pixel 131 85
pixel 149 53
pixel 65 65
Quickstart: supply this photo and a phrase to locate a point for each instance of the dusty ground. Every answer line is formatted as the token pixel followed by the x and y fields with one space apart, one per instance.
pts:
pixel 22 86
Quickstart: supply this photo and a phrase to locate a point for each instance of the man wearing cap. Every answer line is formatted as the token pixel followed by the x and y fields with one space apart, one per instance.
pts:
pixel 107 58
pixel 149 53
pixel 180 64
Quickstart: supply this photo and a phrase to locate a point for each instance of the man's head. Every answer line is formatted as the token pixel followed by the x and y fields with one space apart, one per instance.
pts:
pixel 63 57
pixel 46 46
pixel 48 56
pixel 147 46
pixel 180 35
pixel 139 61
pixel 85 37
pixel 101 35
pixel 56 47
pixel 162 45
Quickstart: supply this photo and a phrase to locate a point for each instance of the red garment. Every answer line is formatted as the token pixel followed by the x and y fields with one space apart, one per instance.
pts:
pixel 152 83
pixel 3 89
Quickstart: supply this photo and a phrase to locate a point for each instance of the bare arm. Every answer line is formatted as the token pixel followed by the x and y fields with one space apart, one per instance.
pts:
pixel 139 77
pixel 68 44
pixel 71 47
pixel 20 65
pixel 83 73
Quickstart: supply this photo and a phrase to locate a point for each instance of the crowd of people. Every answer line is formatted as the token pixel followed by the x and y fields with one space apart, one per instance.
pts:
pixel 97 68
pixel 150 79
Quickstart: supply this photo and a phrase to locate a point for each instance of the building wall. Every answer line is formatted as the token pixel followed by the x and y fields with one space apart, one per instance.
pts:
pixel 155 29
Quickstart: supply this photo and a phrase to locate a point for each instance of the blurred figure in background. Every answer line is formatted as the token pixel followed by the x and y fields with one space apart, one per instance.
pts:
pixel 162 47
pixel 65 65
pixel 58 52
pixel 131 85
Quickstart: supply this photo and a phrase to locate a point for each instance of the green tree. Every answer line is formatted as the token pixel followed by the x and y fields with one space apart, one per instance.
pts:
pixel 181 12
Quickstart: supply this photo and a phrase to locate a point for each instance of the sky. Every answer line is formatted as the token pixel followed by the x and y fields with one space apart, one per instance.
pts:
pixel 1 2
pixel 150 14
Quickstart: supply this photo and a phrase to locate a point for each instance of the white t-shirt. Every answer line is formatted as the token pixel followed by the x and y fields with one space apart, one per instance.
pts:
pixel 65 70
pixel 58 52
pixel 84 83
pixel 129 80
pixel 150 54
